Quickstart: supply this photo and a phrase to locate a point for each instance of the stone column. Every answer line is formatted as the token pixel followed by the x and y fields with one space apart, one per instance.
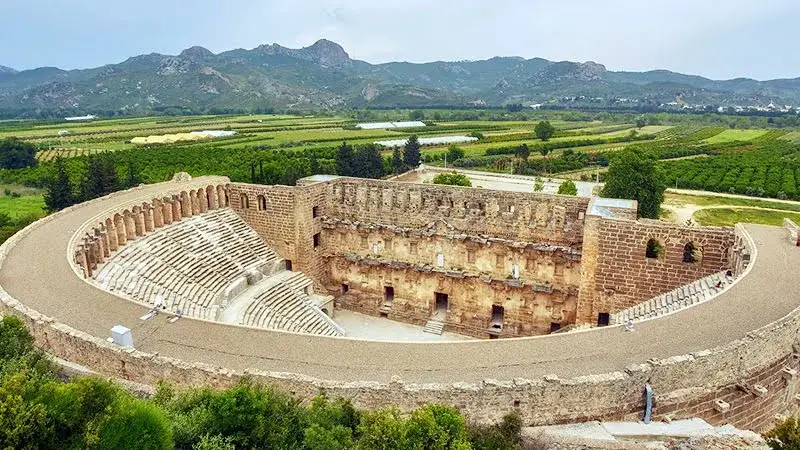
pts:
pixel 166 210
pixel 130 225
pixel 158 214
pixel 211 194
pixel 122 235
pixel 98 252
pixel 111 232
pixel 99 236
pixel 221 203
pixel 138 221
pixel 147 210
pixel 195 205
pixel 202 200
pixel 176 209
pixel 186 205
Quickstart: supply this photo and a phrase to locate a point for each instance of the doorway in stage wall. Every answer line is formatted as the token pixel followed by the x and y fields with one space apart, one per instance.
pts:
pixel 441 305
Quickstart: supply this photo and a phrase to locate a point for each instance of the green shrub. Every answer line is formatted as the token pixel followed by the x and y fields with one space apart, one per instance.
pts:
pixel 785 435
pixel 134 424
pixel 436 427
pixel 15 340
pixel 452 179
pixel 382 430
pixel 568 188
pixel 505 435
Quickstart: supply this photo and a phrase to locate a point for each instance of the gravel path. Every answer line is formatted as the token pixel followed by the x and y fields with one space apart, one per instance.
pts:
pixel 37 273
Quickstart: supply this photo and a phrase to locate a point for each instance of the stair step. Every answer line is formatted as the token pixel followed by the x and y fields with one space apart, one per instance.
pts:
pixel 434 327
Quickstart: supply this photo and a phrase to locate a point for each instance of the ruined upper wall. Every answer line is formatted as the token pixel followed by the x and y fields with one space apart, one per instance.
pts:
pixel 523 216
pixel 617 272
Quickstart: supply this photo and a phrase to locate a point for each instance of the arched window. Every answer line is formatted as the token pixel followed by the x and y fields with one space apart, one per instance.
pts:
pixel 262 203
pixel 654 249
pixel 692 254
pixel 244 201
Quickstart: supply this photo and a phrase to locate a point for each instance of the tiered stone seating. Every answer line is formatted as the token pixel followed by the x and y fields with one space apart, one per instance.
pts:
pixel 286 305
pixel 699 291
pixel 188 264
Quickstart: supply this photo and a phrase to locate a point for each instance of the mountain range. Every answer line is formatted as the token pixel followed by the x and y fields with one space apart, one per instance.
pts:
pixel 323 76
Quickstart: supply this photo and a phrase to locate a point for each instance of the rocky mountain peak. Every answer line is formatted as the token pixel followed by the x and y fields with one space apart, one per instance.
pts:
pixel 328 53
pixel 4 69
pixel 197 52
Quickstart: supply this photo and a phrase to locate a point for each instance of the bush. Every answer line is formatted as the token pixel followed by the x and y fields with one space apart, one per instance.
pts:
pixel 454 153
pixel 568 188
pixel 452 179
pixel 785 435
pixel 134 424
pixel 15 340
pixel 500 436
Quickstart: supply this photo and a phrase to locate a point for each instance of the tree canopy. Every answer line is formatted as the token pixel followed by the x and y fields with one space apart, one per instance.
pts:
pixel 363 161
pixel 59 189
pixel 635 175
pixel 16 154
pixel 544 130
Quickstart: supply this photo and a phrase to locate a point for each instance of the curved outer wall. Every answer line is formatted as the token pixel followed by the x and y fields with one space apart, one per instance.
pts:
pixel 685 386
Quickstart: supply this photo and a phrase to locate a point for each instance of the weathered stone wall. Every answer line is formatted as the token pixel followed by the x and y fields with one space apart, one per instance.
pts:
pixel 270 210
pixel 476 273
pixel 523 216
pixel 284 216
pixel 526 311
pixel 617 274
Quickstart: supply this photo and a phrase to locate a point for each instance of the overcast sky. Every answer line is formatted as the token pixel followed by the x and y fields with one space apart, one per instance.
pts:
pixel 714 38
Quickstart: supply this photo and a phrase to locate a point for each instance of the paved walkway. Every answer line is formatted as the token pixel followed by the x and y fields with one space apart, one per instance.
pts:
pixel 37 273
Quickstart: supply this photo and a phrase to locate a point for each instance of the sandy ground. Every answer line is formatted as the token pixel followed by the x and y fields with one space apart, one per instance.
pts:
pixel 498 181
pixel 362 326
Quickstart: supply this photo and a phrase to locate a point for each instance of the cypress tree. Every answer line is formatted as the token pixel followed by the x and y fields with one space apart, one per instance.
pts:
pixel 397 161
pixel 411 152
pixel 345 160
pixel 59 189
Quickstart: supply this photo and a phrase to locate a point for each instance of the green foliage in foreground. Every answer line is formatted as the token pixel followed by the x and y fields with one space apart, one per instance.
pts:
pixel 39 411
pixel 785 435
pixel 452 179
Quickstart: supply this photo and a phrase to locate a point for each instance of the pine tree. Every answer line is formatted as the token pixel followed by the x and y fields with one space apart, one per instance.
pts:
pixel 397 161
pixel 59 189
pixel 411 152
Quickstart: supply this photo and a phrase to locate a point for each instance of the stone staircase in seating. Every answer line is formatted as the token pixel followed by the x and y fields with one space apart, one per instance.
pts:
pixel 699 291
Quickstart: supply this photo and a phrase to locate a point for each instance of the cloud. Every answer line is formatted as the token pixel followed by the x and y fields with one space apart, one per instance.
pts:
pixel 716 38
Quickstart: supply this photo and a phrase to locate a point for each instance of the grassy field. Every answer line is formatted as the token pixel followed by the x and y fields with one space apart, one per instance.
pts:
pixel 711 200
pixel 27 205
pixel 726 217
pixel 735 135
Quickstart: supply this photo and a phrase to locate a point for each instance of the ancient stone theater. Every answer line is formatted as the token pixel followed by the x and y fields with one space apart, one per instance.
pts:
pixel 563 309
